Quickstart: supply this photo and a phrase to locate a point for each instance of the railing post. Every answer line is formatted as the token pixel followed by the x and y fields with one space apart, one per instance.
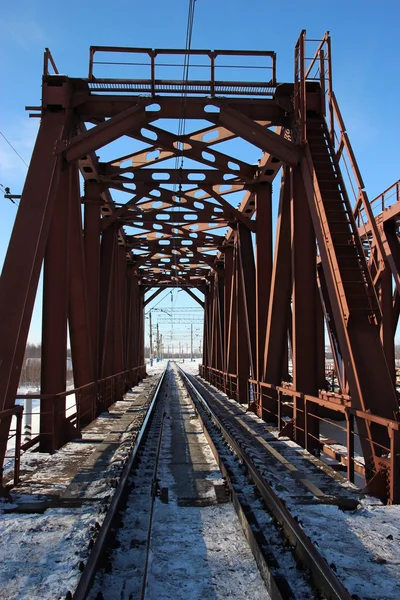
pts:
pixel 279 398
pixel 17 458
pixel 322 80
pixel 394 487
pixel 212 78
pixel 306 441
pixel 303 98
pixel 331 113
pixel 350 445
pixel 153 72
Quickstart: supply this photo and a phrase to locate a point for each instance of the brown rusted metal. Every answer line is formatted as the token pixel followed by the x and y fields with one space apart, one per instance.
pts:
pixel 184 231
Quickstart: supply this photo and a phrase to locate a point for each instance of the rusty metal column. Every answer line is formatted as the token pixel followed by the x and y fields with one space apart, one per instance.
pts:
pixel 248 281
pixel 118 312
pixel 53 424
pixel 388 330
pixel 23 261
pixel 228 253
pixel 129 360
pixel 263 273
pixel 107 282
pixel 135 325
pixel 242 333
pixel 123 300
pixel 304 294
pixel 276 343
pixel 206 329
pixel 78 314
pixel 211 325
pixel 141 331
pixel 221 317
pixel 92 232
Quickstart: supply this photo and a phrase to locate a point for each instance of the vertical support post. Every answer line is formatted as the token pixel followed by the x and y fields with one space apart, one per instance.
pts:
pixel 107 297
pixel 350 445
pixel 228 315
pixel 141 332
pixel 387 329
pixel 242 368
pixel 276 343
pixel 394 484
pixel 303 94
pixel 304 294
pixel 221 318
pixel 17 454
pixel 123 306
pixel 131 326
pixel 53 429
pixel 247 274
pixel 78 313
pixel 119 266
pixel 92 232
pixel 263 272
pixel 22 265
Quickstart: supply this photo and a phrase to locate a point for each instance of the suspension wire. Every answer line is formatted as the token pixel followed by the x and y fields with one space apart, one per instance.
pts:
pixel 179 160
pixel 11 146
pixel 161 299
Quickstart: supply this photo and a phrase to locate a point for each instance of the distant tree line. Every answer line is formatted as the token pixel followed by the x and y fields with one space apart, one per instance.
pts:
pixel 30 372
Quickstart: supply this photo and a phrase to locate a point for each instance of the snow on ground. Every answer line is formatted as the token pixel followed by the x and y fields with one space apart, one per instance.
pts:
pixel 41 553
pixel 198 552
pixel 362 546
pixel 27 569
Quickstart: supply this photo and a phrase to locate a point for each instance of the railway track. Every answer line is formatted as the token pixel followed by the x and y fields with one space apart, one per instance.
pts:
pixel 149 437
pixel 126 545
pixel 320 575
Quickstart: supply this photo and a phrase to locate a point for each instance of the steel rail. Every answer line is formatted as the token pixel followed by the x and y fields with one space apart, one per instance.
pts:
pixel 277 588
pixel 153 496
pixel 322 575
pixel 100 544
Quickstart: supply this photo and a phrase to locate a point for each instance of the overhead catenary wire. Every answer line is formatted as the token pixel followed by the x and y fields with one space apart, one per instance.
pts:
pixel 16 152
pixel 182 121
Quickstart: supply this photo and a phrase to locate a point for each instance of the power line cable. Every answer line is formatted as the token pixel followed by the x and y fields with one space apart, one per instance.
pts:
pixel 17 153
pixel 182 119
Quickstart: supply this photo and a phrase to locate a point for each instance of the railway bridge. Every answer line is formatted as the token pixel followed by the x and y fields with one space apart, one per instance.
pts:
pixel 187 209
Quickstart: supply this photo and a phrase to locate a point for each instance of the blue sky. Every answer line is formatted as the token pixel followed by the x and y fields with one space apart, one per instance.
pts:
pixel 365 65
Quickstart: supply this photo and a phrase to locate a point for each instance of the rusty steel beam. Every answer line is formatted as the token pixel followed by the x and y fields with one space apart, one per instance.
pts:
pixel 91 239
pixel 243 334
pixel 258 303
pixel 192 295
pixel 78 308
pixel 154 295
pixel 53 424
pixel 248 284
pixel 103 134
pixel 22 265
pixel 263 269
pixel 304 311
pixel 276 340
pixel 358 333
pixel 91 107
pixel 263 138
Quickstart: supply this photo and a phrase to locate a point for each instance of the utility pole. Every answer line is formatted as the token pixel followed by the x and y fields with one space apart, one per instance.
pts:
pixel 158 344
pixel 151 339
pixel 191 341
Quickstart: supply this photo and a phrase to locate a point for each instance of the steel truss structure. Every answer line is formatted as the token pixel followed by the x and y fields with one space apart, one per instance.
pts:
pixel 333 262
